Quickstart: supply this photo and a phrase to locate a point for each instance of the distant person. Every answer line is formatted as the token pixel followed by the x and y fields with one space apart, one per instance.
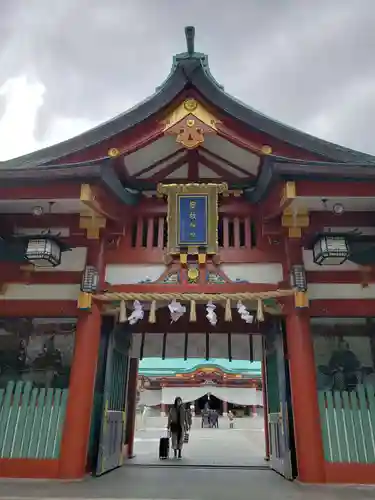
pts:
pixel 214 419
pixel 189 418
pixel 205 418
pixel 177 426
pixel 144 417
pixel 344 366
pixel 231 419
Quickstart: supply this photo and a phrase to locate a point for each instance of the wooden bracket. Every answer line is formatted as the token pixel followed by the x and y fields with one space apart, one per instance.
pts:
pixel 84 301
pixel 92 225
pixel 301 300
pixel 295 221
pixel 289 193
pixel 94 217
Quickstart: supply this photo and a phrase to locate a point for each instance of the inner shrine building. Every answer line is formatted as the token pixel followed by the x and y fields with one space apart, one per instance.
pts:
pixel 191 226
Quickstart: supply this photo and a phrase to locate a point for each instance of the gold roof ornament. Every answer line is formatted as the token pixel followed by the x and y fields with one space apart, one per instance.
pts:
pixel 189 122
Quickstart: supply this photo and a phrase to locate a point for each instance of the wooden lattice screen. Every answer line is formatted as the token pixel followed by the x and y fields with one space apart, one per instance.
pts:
pixel 31 421
pixel 348 425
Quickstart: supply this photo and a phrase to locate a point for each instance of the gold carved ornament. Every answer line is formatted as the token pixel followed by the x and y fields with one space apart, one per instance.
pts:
pixel 189 122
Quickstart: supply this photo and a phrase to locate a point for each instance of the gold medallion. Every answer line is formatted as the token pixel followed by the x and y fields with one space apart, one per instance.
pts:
pixel 190 105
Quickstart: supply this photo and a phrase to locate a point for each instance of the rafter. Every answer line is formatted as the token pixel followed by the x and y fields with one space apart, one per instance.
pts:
pixel 149 168
pixel 221 159
pixel 220 171
pixel 51 191
pixel 168 169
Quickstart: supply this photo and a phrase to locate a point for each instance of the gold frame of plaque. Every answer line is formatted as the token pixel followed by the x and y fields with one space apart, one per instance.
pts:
pixel 174 193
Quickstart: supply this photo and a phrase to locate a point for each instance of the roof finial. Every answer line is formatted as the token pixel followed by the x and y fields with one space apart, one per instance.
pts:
pixel 190 35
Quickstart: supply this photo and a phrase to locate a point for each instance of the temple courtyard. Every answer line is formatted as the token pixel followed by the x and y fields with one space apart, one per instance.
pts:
pixel 242 446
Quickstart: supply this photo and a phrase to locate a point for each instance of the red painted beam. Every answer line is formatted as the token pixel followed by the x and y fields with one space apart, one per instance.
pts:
pixel 52 191
pixel 193 169
pixel 228 206
pixel 335 189
pixel 125 255
pixel 224 288
pixel 38 308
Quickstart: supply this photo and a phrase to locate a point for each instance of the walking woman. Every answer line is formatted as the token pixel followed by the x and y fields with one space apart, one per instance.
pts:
pixel 177 426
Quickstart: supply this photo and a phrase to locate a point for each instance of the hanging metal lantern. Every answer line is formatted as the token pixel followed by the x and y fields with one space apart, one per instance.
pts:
pixel 331 250
pixel 43 252
pixel 298 278
pixel 90 280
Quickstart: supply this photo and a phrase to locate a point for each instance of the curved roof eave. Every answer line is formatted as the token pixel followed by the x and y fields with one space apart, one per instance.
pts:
pixel 191 68
pixel 276 168
pixel 215 94
pixel 170 89
pixel 83 171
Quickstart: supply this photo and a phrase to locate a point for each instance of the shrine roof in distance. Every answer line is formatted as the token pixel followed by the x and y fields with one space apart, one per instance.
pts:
pixel 169 367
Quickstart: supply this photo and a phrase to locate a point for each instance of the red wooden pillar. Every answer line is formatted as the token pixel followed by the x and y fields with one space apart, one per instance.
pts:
pixel 265 408
pixel 76 433
pixel 131 406
pixel 308 436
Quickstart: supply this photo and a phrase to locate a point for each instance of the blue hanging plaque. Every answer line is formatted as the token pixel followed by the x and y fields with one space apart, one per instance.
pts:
pixel 192 227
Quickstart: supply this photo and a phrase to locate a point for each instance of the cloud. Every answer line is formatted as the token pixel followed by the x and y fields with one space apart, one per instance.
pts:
pixel 308 64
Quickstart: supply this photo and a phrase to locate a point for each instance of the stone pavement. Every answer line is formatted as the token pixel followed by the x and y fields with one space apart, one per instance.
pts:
pixel 239 447
pixel 166 483
pixel 146 478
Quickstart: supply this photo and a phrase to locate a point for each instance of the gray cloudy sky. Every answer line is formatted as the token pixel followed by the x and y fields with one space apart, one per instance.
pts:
pixel 66 65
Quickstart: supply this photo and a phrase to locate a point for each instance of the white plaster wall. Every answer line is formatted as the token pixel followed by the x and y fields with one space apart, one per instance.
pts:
pixel 311 266
pixel 73 260
pixel 254 273
pixel 130 274
pixel 338 291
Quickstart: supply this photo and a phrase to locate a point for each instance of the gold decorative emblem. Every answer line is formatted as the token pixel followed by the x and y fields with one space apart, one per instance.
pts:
pixel 190 105
pixel 189 122
pixel 193 274
pixel 113 152
pixel 266 150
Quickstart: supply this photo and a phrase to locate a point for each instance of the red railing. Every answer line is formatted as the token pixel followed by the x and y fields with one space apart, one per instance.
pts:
pixel 146 239
pixel 233 232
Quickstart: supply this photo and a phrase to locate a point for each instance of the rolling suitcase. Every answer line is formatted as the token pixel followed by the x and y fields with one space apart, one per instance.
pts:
pixel 164 448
